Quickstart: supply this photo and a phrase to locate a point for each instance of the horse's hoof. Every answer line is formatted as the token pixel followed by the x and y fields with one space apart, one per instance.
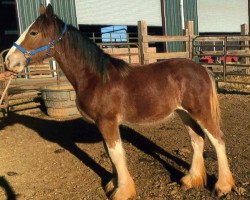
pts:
pixel 125 192
pixel 111 185
pixel 223 189
pixel 190 181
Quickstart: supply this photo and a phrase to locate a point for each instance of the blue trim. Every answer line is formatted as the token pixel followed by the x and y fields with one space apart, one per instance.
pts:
pixel 43 48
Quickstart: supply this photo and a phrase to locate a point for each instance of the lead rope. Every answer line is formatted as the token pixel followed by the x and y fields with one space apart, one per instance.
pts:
pixel 5 91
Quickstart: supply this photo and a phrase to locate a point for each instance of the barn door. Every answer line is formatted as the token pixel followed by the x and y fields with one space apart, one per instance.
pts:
pixel 27 11
pixel 173 20
pixel 66 10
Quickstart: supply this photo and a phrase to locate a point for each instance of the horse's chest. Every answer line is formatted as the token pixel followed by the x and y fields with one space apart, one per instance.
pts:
pixel 85 116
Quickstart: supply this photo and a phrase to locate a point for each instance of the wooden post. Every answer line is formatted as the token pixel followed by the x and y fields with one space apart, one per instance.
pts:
pixel 143 46
pixel 189 27
pixel 245 31
pixel 186 47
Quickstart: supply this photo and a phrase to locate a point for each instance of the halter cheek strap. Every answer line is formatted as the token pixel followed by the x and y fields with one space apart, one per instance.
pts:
pixel 28 54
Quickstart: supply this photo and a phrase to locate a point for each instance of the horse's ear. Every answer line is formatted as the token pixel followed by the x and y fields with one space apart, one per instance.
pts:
pixel 42 9
pixel 49 11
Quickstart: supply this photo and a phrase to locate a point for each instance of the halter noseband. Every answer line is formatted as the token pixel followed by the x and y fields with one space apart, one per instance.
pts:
pixel 28 54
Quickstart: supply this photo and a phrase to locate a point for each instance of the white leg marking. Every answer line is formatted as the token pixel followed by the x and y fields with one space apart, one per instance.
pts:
pixel 19 41
pixel 225 180
pixel 224 171
pixel 197 167
pixel 196 177
pixel 117 156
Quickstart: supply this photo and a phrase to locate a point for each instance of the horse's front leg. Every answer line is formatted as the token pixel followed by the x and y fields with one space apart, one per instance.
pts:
pixel 124 187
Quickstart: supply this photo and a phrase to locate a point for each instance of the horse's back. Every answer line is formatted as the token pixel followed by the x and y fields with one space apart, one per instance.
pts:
pixel 173 75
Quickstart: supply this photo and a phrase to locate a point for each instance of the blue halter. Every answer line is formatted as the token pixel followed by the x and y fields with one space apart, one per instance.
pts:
pixel 28 54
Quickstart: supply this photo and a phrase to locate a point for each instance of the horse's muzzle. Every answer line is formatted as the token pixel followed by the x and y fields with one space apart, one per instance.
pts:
pixel 15 63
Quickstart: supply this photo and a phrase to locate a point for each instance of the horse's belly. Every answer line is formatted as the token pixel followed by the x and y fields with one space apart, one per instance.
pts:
pixel 149 120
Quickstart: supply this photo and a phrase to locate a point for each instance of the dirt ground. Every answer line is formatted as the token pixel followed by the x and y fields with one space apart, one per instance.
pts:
pixel 43 158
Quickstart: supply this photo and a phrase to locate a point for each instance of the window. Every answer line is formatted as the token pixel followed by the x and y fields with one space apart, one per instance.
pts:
pixel 114 34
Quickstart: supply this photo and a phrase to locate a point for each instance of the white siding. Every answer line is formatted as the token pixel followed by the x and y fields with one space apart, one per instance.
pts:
pixel 222 15
pixel 118 12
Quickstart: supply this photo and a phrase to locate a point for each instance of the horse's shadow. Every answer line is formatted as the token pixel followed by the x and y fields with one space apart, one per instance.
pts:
pixel 64 133
pixel 68 133
pixel 9 192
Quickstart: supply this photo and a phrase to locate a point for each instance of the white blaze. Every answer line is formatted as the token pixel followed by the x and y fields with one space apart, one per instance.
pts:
pixel 19 41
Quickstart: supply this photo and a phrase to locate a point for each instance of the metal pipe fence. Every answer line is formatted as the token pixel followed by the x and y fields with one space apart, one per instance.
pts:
pixel 226 51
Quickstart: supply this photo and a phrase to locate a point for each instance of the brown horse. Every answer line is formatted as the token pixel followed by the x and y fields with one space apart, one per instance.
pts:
pixel 111 93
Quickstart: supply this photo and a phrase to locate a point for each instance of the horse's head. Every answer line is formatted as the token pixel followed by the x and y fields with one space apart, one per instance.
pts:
pixel 36 41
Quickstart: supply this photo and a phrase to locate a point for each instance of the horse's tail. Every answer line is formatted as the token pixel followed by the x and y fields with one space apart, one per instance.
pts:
pixel 215 109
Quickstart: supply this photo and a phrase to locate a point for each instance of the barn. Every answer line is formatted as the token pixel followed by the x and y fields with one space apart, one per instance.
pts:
pixel 119 17
pixel 115 17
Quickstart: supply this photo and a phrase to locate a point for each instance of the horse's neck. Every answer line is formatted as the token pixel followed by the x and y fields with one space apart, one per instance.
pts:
pixel 74 69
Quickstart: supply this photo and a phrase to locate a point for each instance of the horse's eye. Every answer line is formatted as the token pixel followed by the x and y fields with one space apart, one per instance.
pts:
pixel 33 33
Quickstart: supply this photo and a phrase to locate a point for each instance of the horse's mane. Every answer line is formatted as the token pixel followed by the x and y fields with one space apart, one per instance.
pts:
pixel 87 51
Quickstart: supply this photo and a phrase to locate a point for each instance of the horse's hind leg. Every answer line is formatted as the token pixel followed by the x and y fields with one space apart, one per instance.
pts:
pixel 211 128
pixel 196 178
pixel 125 184
pixel 225 180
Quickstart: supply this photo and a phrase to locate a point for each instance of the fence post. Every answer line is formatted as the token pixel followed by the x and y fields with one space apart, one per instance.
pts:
pixel 245 31
pixel 186 44
pixel 189 27
pixel 143 46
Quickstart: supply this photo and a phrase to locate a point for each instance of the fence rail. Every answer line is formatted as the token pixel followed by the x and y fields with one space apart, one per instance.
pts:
pixel 154 38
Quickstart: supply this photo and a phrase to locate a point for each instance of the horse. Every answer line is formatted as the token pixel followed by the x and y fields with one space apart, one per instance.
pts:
pixel 110 93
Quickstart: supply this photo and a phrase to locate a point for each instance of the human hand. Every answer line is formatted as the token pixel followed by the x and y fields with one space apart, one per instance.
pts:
pixel 7 75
